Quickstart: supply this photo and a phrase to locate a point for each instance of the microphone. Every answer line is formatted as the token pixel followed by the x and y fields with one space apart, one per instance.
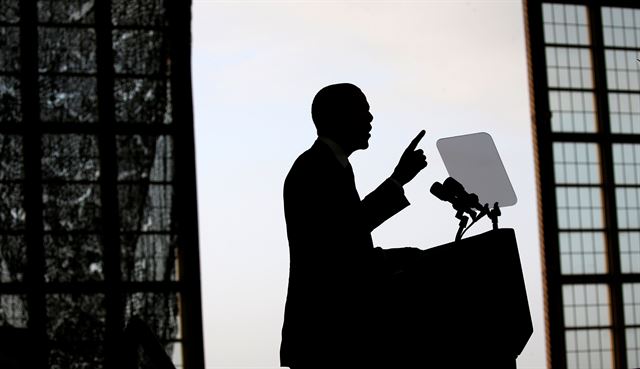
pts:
pixel 452 191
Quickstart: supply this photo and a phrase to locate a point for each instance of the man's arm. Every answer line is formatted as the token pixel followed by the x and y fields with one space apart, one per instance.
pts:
pixel 388 199
pixel 382 203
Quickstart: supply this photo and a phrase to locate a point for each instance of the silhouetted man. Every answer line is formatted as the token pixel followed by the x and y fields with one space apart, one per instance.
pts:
pixel 335 302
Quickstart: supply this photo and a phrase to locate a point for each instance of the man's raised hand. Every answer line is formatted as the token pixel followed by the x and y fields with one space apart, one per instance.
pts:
pixel 411 162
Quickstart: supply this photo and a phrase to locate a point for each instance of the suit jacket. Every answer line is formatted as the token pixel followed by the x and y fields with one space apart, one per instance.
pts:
pixel 336 276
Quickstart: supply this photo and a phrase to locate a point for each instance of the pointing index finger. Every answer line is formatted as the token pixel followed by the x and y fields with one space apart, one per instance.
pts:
pixel 414 143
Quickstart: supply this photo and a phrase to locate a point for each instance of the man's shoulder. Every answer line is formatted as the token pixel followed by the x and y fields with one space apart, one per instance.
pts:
pixel 314 163
pixel 317 157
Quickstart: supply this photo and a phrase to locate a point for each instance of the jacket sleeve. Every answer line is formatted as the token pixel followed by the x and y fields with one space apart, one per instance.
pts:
pixel 383 203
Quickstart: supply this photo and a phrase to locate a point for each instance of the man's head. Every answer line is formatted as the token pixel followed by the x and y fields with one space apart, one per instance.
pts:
pixel 341 112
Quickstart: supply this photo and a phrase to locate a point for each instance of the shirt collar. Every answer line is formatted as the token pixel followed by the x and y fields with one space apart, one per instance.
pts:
pixel 336 149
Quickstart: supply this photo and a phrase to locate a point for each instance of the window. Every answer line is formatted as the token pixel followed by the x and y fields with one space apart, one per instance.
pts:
pixel 585 87
pixel 97 178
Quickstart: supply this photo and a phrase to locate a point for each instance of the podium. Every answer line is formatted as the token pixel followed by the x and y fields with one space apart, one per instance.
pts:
pixel 462 304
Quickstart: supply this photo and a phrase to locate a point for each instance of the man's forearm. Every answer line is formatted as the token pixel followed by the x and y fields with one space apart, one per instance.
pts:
pixel 383 203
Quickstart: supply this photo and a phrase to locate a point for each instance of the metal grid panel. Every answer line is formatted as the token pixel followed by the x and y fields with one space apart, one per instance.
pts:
pixel 628 207
pixel 629 252
pixel 624 112
pixel 10 45
pixel 565 24
pixel 576 163
pixel 622 70
pixel 626 164
pixel 569 77
pixel 586 305
pixel 579 208
pixel 14 310
pixel 76 327
pixel 572 111
pixel 569 68
pixel 621 27
pixel 583 253
pixel 633 347
pixel 13 248
pixel 99 65
pixel 589 349
pixel 10 92
pixel 10 99
pixel 631 302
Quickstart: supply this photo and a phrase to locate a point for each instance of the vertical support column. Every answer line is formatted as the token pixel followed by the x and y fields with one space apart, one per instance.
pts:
pixel 548 229
pixel 33 182
pixel 179 18
pixel 108 185
pixel 606 159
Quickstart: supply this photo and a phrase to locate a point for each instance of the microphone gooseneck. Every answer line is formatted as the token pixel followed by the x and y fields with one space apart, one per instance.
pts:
pixel 454 192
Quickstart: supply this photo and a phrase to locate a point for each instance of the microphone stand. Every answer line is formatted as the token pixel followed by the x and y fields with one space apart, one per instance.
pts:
pixel 463 202
pixel 461 205
pixel 494 214
pixel 463 223
pixel 484 211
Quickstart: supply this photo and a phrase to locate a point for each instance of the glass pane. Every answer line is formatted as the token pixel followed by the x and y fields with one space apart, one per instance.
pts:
pixel 579 207
pixel 622 70
pixel 10 11
pixel 624 110
pixel 142 100
pixel 13 258
pixel 569 67
pixel 145 207
pixel 66 50
pixel 586 305
pixel 10 99
pixel 13 311
pixel 66 11
pixel 145 158
pixel 572 111
pixel 71 206
pixel 626 163
pixel 70 157
pixel 621 27
pixel 12 214
pixel 76 327
pixel 628 207
pixel 158 310
pixel 565 24
pixel 140 52
pixel 149 257
pixel 576 163
pixel 631 302
pixel 73 257
pixel 138 12
pixel 633 347
pixel 10 46
pixel 629 251
pixel 583 253
pixel 589 349
pixel 11 158
pixel 72 99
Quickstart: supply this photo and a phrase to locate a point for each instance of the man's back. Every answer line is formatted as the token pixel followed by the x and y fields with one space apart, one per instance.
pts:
pixel 335 273
pixel 330 251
